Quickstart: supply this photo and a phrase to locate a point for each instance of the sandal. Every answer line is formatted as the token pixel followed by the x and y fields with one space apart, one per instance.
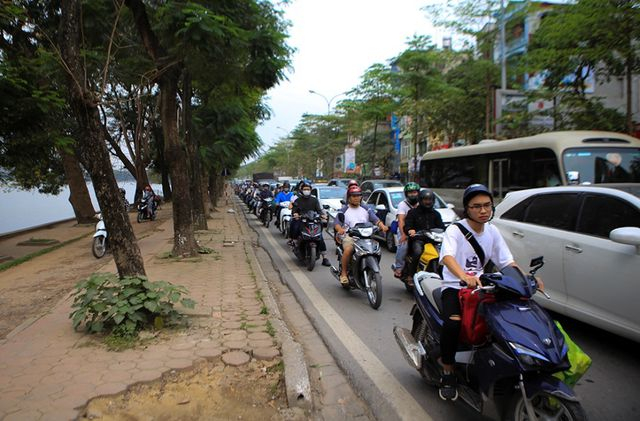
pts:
pixel 344 280
pixel 397 273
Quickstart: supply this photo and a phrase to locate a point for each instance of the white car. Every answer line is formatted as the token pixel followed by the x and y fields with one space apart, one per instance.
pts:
pixel 329 198
pixel 590 239
pixel 390 197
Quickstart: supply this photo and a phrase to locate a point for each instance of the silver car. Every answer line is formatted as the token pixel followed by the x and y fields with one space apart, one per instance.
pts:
pixel 590 239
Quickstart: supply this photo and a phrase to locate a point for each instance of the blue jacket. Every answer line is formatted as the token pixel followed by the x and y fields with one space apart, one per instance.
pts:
pixel 284 197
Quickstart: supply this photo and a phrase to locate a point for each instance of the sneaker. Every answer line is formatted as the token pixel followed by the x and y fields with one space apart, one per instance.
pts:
pixel 448 390
pixel 325 262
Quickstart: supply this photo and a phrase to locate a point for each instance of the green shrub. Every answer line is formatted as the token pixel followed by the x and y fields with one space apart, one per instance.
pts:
pixel 106 303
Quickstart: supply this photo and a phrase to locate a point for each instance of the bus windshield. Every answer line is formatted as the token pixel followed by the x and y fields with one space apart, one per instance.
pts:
pixel 600 165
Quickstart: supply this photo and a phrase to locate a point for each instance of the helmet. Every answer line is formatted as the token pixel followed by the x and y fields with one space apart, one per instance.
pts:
pixel 303 185
pixel 285 185
pixel 352 183
pixel 411 187
pixel 426 194
pixel 354 191
pixel 472 191
pixel 147 187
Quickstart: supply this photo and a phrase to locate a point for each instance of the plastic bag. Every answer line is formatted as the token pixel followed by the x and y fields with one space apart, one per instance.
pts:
pixel 580 362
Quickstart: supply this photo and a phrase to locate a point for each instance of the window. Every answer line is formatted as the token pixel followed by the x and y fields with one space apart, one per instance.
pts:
pixel 517 212
pixel 604 165
pixel 382 200
pixel 367 187
pixel 372 199
pixel 601 214
pixel 553 211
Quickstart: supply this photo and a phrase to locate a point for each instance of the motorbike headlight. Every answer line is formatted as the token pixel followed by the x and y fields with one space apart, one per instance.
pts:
pixel 528 356
pixel 366 232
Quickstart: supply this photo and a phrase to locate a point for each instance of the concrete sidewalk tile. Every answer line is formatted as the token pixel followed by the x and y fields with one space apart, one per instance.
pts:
pixel 24 414
pixel 179 363
pixel 110 388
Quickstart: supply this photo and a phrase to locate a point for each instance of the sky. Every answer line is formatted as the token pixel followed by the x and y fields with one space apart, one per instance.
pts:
pixel 336 41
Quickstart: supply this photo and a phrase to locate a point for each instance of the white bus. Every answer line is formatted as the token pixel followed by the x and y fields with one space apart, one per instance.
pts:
pixel 547 159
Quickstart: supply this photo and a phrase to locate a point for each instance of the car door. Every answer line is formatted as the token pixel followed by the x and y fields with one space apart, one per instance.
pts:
pixel 538 227
pixel 602 275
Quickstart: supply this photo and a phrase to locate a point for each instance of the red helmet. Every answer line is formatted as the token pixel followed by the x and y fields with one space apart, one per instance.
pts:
pixel 354 191
pixel 352 183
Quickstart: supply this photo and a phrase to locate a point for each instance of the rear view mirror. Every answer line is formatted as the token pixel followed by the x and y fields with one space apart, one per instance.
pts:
pixel 326 206
pixel 343 202
pixel 450 205
pixel 573 177
pixel 626 235
pixel 536 263
pixel 381 207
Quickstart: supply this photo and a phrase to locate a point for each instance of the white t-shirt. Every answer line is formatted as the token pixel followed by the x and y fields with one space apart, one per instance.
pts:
pixel 403 208
pixel 353 216
pixel 454 244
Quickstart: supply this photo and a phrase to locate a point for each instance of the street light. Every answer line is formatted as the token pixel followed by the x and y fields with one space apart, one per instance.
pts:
pixel 328 101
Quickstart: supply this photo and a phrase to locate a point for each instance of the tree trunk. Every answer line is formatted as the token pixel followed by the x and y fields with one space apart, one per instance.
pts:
pixel 92 149
pixel 78 191
pixel 629 71
pixel 375 139
pixel 161 163
pixel 197 205
pixel 175 153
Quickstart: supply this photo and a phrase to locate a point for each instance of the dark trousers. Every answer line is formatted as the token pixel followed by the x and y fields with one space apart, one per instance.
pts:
pixel 450 328
pixel 294 232
pixel 414 251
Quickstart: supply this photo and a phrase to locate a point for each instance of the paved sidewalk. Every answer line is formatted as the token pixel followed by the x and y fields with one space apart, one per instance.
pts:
pixel 48 371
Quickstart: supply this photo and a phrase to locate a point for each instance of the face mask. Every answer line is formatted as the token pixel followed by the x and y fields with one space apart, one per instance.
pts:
pixel 412 200
pixel 306 193
pixel 286 189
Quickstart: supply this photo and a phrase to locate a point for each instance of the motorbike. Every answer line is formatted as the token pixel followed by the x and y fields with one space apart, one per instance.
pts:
pixel 364 267
pixel 143 213
pixel 284 220
pixel 266 214
pixel 511 374
pixel 430 254
pixel 100 242
pixel 305 247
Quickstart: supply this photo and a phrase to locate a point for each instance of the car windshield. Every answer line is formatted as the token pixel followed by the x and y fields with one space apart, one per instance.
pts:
pixel 332 193
pixel 603 165
pixel 383 184
pixel 398 196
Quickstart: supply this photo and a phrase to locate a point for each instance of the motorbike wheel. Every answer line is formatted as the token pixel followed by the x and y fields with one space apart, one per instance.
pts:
pixel 99 246
pixel 374 292
pixel 546 406
pixel 285 229
pixel 140 217
pixel 391 242
pixel 311 257
pixel 153 215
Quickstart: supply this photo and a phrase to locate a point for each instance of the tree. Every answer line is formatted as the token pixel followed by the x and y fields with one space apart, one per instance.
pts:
pixel 91 146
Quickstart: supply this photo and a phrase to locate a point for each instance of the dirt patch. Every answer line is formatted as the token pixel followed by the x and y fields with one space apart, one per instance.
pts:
pixel 211 391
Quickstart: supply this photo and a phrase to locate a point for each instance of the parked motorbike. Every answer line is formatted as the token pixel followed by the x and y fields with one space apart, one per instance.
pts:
pixel 284 218
pixel 100 242
pixel 266 213
pixel 364 268
pixel 430 254
pixel 511 374
pixel 305 247
pixel 143 211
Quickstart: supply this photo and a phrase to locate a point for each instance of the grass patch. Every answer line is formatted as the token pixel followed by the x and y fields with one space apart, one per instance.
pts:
pixel 264 310
pixel 15 262
pixel 270 329
pixel 245 325
pixel 38 242
pixel 276 368
pixel 119 343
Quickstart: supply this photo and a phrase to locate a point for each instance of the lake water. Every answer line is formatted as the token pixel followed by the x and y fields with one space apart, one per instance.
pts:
pixel 20 209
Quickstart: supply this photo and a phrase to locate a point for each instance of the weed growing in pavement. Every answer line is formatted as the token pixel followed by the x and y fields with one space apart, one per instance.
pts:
pixel 264 310
pixel 270 330
pixel 276 368
pixel 104 303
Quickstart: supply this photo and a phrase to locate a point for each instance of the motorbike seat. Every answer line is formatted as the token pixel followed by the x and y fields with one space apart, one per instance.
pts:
pixel 437 298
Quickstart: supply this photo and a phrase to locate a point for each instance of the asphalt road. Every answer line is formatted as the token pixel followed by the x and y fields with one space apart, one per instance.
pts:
pixel 362 341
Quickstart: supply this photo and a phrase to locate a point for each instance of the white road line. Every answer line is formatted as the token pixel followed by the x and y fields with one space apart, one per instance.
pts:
pixel 400 399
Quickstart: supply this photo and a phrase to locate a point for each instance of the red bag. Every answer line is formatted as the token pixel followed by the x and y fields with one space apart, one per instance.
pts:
pixel 473 329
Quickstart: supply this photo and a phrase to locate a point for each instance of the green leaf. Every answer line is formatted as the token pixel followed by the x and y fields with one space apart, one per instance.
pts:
pixel 118 318
pixel 151 306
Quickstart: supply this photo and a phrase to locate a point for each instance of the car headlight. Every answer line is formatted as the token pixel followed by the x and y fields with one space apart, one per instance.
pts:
pixel 528 356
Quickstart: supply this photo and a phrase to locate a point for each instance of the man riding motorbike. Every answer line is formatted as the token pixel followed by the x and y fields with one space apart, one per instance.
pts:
pixel 411 191
pixel 423 217
pixel 150 197
pixel 353 214
pixel 304 203
pixel 463 265
pixel 284 196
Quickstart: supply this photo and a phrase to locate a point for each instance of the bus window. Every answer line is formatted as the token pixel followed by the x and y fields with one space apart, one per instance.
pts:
pixel 603 165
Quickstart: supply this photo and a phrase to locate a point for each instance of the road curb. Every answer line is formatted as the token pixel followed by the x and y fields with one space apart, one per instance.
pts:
pixel 297 383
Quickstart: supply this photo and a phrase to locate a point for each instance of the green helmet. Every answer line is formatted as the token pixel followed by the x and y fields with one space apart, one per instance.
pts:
pixel 411 187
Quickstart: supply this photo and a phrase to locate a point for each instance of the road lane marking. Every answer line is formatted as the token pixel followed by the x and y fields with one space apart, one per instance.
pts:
pixel 398 397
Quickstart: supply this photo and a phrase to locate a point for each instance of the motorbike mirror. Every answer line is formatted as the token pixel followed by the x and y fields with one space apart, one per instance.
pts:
pixel 343 202
pixel 326 207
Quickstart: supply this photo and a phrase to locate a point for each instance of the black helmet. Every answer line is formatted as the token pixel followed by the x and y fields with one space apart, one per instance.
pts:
pixel 426 194
pixel 286 184
pixel 472 191
pixel 303 185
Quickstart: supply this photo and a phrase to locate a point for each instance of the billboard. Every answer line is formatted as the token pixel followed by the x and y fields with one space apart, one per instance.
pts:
pixel 349 159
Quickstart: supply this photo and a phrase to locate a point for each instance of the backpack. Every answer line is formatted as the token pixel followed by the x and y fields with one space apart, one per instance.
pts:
pixel 473 327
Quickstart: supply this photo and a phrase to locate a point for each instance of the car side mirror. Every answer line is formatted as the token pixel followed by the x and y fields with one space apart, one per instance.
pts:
pixel 381 207
pixel 626 235
pixel 450 205
pixel 573 177
pixel 326 207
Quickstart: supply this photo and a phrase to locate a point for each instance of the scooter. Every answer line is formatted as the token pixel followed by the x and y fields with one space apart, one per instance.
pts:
pixel 305 247
pixel 100 242
pixel 143 213
pixel 430 254
pixel 284 218
pixel 266 214
pixel 364 267
pixel 511 374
